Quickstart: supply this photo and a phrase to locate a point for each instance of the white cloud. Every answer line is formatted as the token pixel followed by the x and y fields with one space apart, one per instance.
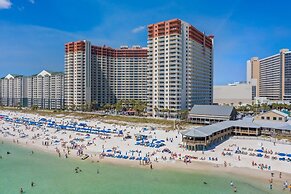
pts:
pixel 5 4
pixel 32 1
pixel 138 29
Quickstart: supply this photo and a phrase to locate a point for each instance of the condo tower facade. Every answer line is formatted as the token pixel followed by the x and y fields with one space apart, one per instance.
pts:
pixel 99 75
pixel 180 68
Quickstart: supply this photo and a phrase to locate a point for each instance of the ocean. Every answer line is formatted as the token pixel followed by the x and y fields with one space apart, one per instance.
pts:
pixel 53 175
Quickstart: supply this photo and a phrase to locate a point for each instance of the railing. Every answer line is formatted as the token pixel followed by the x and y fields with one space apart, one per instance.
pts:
pixel 262 139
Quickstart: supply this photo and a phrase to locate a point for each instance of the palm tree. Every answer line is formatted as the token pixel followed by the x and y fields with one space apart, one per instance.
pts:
pixel 156 109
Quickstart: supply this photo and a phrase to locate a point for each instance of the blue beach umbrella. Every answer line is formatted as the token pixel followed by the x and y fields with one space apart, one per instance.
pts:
pixel 282 154
pixel 260 151
pixel 260 155
pixel 289 155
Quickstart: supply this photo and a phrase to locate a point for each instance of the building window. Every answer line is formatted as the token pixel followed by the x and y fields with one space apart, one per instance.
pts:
pixel 280 118
pixel 262 118
pixel 268 118
pixel 274 118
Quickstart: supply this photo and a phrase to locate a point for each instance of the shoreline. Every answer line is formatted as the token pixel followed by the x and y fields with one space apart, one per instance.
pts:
pixel 201 167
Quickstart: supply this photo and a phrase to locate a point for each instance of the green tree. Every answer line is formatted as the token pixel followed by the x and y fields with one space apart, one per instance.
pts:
pixel 34 107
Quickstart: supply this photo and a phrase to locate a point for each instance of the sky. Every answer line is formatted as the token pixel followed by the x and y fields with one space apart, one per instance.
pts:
pixel 33 32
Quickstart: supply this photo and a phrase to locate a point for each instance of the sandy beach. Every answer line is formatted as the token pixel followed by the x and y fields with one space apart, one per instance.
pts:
pixel 234 156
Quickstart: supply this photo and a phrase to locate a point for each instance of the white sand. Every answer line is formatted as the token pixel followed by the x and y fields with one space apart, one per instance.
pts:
pixel 100 144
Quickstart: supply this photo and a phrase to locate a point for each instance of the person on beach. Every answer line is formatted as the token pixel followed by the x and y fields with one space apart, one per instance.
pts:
pixel 32 184
pixel 151 166
pixel 21 190
pixel 234 189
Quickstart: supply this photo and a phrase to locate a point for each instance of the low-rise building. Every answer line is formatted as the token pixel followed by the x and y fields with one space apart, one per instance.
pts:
pixel 209 114
pixel 206 137
pixel 273 115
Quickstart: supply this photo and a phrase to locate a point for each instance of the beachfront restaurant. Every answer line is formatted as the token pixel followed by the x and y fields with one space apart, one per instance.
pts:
pixel 274 128
pixel 247 128
pixel 203 138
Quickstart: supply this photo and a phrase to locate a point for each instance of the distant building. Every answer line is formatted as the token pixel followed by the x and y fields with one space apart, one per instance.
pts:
pixel 180 68
pixel 44 90
pixel 12 90
pixel 234 94
pixel 209 114
pixel 273 115
pixel 272 75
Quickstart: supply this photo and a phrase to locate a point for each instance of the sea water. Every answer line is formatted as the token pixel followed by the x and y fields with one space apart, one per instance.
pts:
pixel 54 175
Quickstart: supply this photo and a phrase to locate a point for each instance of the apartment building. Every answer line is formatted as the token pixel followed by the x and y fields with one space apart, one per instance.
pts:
pixel 272 75
pixel 131 73
pixel 77 74
pixel 180 68
pixel 104 73
pixel 11 90
pixel 44 90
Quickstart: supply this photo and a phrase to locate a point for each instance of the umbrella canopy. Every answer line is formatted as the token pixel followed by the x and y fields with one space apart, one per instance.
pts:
pixel 260 155
pixel 260 151
pixel 282 154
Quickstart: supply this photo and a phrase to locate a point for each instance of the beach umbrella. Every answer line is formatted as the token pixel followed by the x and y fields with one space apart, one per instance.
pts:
pixel 282 154
pixel 260 155
pixel 260 151
pixel 109 151
pixel 289 155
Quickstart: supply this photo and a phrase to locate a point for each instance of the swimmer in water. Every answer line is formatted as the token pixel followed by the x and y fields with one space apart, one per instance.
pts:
pixel 231 183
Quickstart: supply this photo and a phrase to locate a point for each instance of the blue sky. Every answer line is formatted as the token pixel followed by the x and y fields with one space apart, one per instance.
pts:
pixel 33 32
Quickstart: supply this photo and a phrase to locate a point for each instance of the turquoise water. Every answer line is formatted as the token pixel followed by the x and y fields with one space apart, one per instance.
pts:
pixel 57 176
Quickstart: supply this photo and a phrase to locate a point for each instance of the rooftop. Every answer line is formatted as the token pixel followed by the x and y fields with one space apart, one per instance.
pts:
pixel 214 110
pixel 247 123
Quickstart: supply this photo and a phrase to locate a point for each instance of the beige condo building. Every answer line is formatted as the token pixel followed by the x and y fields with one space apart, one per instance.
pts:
pixel 99 75
pixel 180 68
